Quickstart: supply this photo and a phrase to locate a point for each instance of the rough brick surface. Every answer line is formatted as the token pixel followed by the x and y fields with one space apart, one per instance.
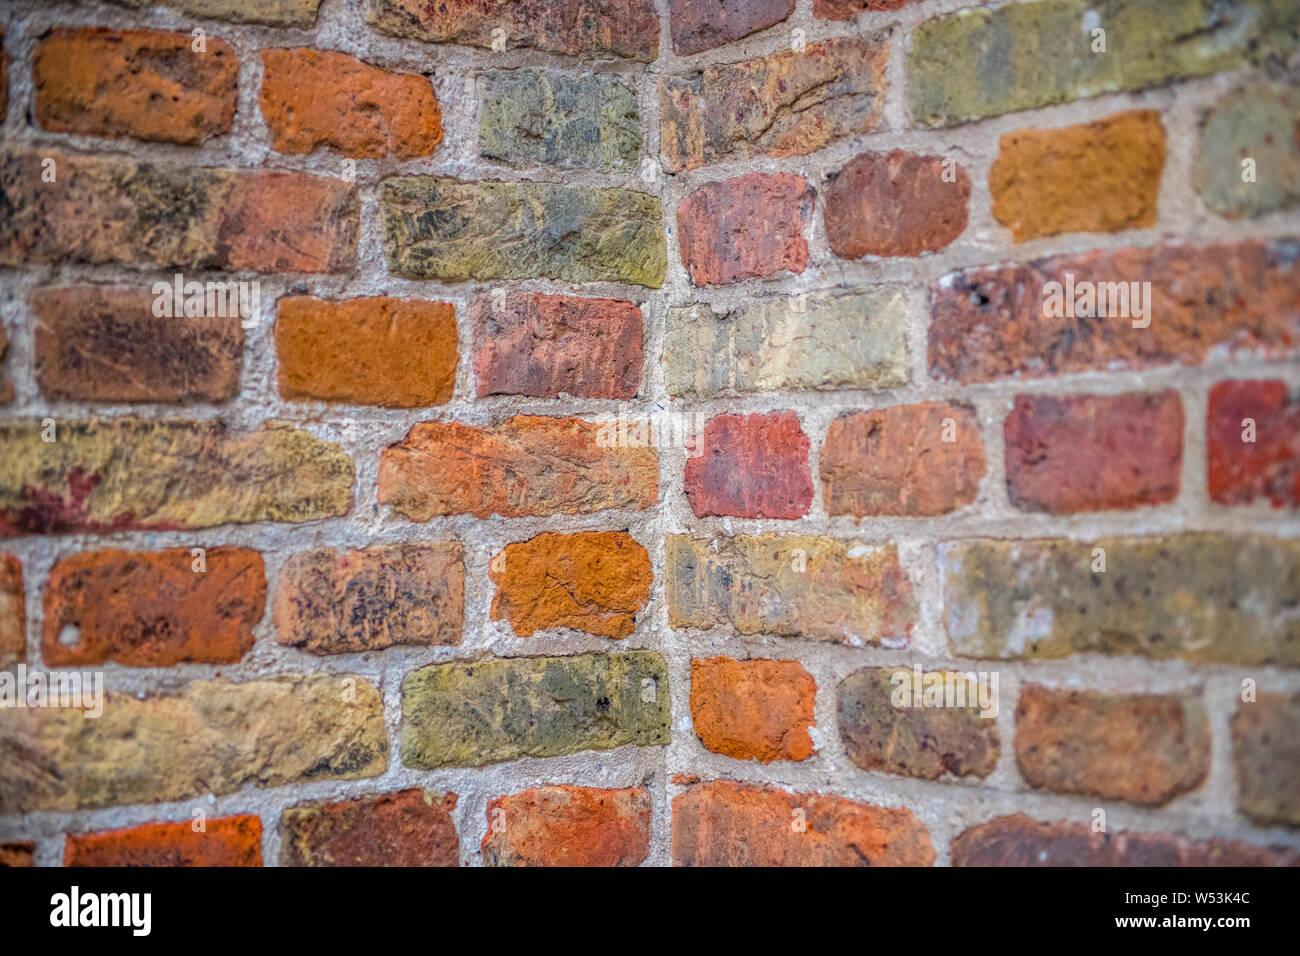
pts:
pixel 1207 598
pixel 745 228
pixel 895 204
pixel 594 28
pixel 568 826
pixel 315 98
pixel 212 737
pixel 698 25
pixel 791 585
pixel 398 353
pixel 18 853
pixel 788 104
pixel 112 474
pixel 105 344
pixel 407 828
pixel 733 824
pixel 297 13
pixel 1145 749
pixel 1019 840
pixel 1252 436
pixel 848 9
pixel 991 323
pixel 913 741
pixel 1266 753
pixel 331 602
pixel 1093 452
pixel 223 841
pixel 915 460
pixel 152 609
pixel 755 466
pixel 13 611
pixel 147 84
pixel 102 210
pixel 1253 121
pixel 547 345
pixel 753 710
pixel 473 714
pixel 592 581
pixel 527 465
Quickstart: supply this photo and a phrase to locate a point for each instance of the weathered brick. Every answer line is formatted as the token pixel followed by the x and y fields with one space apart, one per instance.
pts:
pixel 110 474
pixel 18 853
pixel 1255 121
pixel 991 323
pixel 336 602
pixel 791 585
pixel 1142 748
pixel 1266 751
pixel 848 9
pixel 592 581
pixel 108 210
pixel 1207 598
pixel 397 353
pixel 912 741
pixel 975 63
pixel 745 228
pixel 787 342
pixel 212 737
pixel 147 84
pixel 585 121
pixel 589 28
pixel 152 608
pixel 916 460
pixel 1094 452
pixel 568 826
pixel 223 841
pixel 548 345
pixel 1252 437
pixel 526 465
pixel 788 104
pixel 407 828
pixel 698 25
pixel 734 824
pixel 437 228
pixel 295 13
pixel 895 204
pixel 1094 177
pixel 753 710
pixel 752 466
pixel 477 713
pixel 104 344
pixel 313 98
pixel 13 611
pixel 1019 840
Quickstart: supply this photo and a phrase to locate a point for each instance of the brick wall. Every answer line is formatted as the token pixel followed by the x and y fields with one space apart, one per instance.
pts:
pixel 449 610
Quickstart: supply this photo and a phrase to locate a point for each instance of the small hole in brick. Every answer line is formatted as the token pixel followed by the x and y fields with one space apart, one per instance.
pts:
pixel 70 635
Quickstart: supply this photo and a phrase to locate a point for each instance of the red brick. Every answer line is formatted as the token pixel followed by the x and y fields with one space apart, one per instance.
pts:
pixel 568 826
pixel 895 461
pixel 396 353
pixel 753 710
pixel 1145 749
pixel 147 84
pixel 1093 452
pixel 734 824
pixel 408 828
pixel 745 228
pixel 703 24
pixel 312 98
pixel 895 204
pixel 19 853
pixel 1019 840
pixel 1266 752
pixel 152 609
pixel 848 9
pixel 547 345
pixel 1240 471
pixel 527 465
pixel 755 466
pixel 224 841
pixel 990 323
pixel 13 611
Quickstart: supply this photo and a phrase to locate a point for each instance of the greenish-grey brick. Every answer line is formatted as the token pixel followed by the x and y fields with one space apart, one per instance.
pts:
pixel 976 63
pixel 439 228
pixel 468 714
pixel 1257 121
pixel 585 121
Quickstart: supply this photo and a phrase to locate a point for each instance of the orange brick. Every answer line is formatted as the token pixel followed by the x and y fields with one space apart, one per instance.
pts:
pixel 568 826
pixel 224 841
pixel 753 710
pixel 13 611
